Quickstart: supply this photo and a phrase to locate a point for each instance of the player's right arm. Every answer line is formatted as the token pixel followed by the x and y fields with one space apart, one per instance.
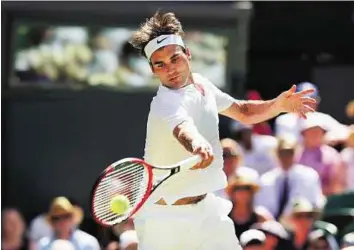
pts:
pixel 189 137
pixel 175 114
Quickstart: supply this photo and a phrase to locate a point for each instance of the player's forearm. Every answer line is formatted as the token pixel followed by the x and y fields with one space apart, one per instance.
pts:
pixel 187 135
pixel 252 112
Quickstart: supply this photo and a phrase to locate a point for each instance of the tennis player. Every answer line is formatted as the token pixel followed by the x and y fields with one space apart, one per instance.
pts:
pixel 183 120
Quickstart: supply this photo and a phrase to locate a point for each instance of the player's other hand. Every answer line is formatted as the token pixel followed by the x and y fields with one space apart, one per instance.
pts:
pixel 206 153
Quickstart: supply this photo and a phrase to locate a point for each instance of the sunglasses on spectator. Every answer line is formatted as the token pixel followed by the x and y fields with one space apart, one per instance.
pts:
pixel 244 188
pixel 61 217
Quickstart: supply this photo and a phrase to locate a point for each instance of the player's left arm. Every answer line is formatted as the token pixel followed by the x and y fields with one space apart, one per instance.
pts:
pixel 253 112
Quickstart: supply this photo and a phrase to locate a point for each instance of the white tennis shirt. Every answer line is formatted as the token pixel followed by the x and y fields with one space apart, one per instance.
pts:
pixel 169 108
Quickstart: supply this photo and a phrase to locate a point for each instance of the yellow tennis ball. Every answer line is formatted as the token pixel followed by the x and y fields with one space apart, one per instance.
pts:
pixel 120 204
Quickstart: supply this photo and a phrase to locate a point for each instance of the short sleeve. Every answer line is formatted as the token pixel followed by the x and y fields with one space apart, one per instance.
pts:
pixel 223 100
pixel 173 113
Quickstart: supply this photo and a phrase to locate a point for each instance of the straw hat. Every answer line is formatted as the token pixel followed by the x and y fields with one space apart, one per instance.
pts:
pixel 241 179
pixel 230 148
pixel 286 142
pixel 62 206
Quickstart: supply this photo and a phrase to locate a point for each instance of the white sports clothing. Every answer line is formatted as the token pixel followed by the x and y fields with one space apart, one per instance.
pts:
pixel 187 226
pixel 201 226
pixel 170 108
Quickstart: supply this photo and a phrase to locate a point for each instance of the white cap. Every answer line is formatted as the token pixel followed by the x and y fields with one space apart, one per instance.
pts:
pixel 313 120
pixel 250 235
pixel 128 237
pixel 162 41
pixel 62 245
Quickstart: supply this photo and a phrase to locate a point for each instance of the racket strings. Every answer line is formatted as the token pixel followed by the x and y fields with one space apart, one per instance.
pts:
pixel 129 179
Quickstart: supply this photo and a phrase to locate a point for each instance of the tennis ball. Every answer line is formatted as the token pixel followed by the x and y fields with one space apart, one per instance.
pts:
pixel 120 204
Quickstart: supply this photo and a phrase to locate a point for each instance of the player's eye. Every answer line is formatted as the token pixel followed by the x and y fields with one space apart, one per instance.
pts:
pixel 160 65
pixel 174 60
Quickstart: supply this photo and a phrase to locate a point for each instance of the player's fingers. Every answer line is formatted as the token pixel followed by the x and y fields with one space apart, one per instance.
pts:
pixel 305 92
pixel 291 91
pixel 308 99
pixel 307 109
pixel 302 114
pixel 207 158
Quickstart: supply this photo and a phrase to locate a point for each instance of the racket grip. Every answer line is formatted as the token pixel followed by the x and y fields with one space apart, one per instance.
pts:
pixel 191 162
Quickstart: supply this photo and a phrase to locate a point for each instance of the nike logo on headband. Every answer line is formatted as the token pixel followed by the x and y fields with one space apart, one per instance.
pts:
pixel 160 41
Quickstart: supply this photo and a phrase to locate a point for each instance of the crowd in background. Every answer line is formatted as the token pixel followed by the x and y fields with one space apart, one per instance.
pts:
pixel 64 55
pixel 280 184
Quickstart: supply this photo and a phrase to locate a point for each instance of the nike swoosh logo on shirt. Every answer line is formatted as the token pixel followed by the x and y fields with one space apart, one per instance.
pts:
pixel 161 40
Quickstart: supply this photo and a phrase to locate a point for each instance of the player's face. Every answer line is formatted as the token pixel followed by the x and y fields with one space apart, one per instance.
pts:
pixel 171 65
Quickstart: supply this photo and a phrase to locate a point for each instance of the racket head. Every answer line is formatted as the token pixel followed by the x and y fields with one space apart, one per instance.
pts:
pixel 131 177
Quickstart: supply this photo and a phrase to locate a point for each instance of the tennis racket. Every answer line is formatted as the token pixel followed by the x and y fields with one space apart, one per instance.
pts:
pixel 133 178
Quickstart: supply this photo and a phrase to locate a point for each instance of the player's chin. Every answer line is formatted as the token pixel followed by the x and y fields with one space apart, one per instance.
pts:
pixel 176 83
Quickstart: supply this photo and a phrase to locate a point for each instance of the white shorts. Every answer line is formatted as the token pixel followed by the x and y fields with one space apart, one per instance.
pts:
pixel 201 226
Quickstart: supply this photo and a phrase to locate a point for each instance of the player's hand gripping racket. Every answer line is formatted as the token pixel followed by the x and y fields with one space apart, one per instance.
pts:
pixel 132 178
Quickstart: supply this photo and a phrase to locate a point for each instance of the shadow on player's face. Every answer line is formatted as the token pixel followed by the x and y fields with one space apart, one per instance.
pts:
pixel 171 64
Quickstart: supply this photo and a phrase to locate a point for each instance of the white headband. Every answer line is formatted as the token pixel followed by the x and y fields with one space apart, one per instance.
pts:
pixel 162 41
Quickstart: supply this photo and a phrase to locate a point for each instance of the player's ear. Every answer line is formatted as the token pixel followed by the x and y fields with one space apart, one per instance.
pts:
pixel 188 53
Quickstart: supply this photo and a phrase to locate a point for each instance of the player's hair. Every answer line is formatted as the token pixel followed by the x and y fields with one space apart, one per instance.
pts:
pixel 155 26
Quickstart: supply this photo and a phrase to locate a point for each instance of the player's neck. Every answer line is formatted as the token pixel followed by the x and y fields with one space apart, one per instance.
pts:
pixel 190 80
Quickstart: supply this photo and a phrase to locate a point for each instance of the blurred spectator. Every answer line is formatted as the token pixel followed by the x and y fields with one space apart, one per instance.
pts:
pixel 64 218
pixel 114 245
pixel 62 245
pixel 241 190
pixel 134 70
pixel 40 226
pixel 232 162
pixel 301 221
pixel 277 238
pixel 256 149
pixel 105 61
pixel 347 240
pixel 319 156
pixel 262 128
pixel 288 181
pixel 347 155
pixel 288 124
pixel 13 231
pixel 123 226
pixel 253 239
pixel 321 240
pixel 129 240
pixel 349 109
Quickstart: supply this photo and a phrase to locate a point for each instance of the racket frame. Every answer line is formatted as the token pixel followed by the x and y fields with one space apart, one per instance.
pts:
pixel 174 169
